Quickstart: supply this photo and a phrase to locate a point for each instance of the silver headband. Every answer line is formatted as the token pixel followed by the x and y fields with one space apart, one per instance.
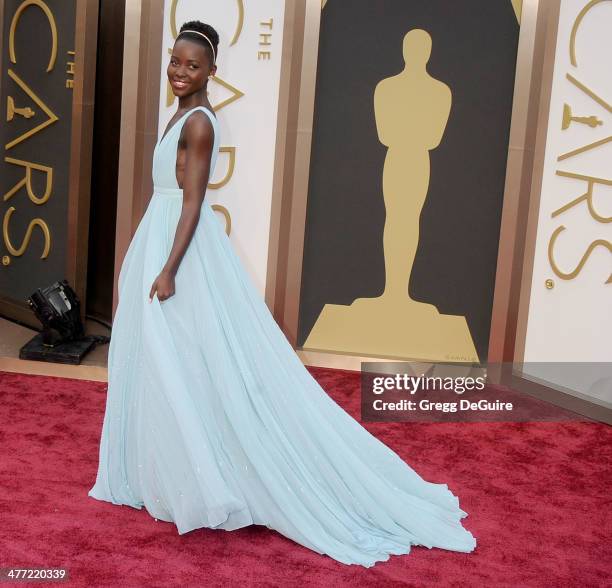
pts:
pixel 203 35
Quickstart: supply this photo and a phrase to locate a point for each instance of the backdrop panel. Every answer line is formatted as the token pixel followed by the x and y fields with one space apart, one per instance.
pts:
pixel 407 177
pixel 568 310
pixel 36 93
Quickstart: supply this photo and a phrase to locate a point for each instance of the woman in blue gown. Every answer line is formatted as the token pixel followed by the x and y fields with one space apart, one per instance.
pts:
pixel 211 418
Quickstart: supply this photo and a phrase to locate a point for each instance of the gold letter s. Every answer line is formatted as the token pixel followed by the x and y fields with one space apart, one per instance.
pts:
pixel 573 274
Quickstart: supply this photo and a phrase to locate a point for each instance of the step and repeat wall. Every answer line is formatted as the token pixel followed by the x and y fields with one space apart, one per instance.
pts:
pixel 244 94
pixel 568 333
pixel 410 144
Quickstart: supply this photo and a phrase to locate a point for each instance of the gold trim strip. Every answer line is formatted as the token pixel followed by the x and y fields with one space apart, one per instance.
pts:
pixel 532 188
pixel 296 188
pixel 139 120
pixel 81 147
pixel 516 201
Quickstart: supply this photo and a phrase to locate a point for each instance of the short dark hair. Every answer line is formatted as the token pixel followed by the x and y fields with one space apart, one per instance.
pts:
pixel 206 29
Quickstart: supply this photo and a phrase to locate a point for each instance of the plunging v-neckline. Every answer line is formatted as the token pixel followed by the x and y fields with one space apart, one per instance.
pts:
pixel 167 132
pixel 175 122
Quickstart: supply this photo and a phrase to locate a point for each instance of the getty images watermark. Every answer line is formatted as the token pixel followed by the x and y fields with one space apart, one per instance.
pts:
pixel 419 391
pixel 413 384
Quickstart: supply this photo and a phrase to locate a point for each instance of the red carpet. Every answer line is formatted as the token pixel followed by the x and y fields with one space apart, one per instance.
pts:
pixel 537 494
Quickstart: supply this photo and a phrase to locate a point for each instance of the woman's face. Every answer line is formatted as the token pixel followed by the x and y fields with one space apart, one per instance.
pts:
pixel 189 67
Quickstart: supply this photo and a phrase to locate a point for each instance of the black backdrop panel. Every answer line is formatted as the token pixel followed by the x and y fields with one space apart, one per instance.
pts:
pixel 474 53
pixel 21 274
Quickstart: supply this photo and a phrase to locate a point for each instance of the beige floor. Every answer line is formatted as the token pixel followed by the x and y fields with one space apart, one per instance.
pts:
pixel 14 336
pixel 93 367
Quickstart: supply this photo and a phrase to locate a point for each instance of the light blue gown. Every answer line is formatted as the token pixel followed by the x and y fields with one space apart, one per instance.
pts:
pixel 213 421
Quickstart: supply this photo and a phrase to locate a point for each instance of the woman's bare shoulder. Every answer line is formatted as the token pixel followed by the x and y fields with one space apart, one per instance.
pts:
pixel 198 127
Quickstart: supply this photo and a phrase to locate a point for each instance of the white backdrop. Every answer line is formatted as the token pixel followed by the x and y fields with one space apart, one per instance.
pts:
pixel 571 319
pixel 249 81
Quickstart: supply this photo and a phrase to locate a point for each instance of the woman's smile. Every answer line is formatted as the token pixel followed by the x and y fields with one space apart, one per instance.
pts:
pixel 180 84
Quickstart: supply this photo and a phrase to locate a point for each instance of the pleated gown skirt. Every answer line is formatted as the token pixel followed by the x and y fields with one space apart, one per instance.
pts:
pixel 213 421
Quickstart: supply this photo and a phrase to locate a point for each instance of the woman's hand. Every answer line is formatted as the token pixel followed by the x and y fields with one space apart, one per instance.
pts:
pixel 163 285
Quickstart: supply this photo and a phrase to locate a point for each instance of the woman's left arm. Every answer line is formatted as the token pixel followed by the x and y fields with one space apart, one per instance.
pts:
pixel 199 136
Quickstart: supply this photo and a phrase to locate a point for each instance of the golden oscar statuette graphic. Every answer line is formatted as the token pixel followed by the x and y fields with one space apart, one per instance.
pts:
pixel 411 111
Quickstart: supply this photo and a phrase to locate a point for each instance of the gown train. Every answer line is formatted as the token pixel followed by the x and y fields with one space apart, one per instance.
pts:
pixel 213 421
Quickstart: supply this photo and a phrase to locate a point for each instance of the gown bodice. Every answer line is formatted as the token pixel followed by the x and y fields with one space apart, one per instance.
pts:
pixel 164 154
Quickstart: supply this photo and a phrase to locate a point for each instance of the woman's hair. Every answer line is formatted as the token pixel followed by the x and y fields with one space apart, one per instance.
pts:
pixel 205 29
